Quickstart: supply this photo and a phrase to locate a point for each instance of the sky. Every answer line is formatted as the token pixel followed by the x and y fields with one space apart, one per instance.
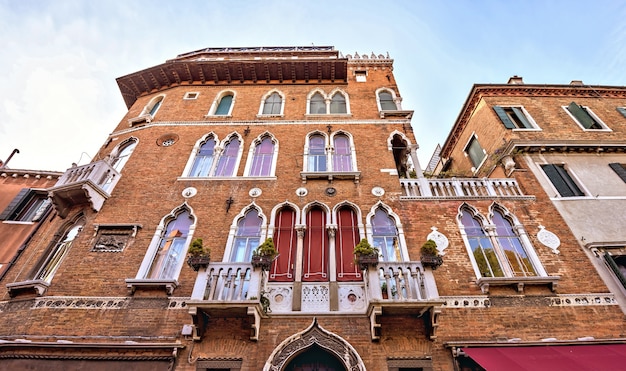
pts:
pixel 59 58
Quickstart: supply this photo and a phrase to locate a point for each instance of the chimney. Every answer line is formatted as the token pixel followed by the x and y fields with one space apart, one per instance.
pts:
pixel 577 82
pixel 515 80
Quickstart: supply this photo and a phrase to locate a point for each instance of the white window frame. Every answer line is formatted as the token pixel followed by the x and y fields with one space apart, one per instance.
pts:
pixel 572 175
pixel 194 153
pixel 475 168
pixel 360 75
pixel 529 118
pixel 593 116
pixel 397 100
pixel 327 99
pixel 235 224
pixel 369 229
pixel 218 99
pixel 331 146
pixel 282 104
pixel 191 95
pixel 219 151
pixel 150 255
pixel 251 151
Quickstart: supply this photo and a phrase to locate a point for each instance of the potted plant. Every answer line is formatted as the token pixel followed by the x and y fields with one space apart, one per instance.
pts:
pixel 264 255
pixel 197 255
pixel 430 255
pixel 366 254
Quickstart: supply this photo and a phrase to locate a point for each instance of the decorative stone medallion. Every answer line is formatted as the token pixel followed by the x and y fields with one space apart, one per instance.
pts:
pixel 189 192
pixel 301 192
pixel 549 239
pixel 255 192
pixel 440 239
pixel 378 191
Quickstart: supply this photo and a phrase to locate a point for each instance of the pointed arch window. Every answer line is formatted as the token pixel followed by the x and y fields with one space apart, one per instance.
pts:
pixel 172 248
pixel 262 158
pixel 386 101
pixel 156 107
pixel 510 243
pixel 317 104
pixel 346 239
pixel 123 154
pixel 285 240
pixel 223 108
pixel 385 235
pixel 481 246
pixel 247 237
pixel 342 154
pixel 226 165
pixel 59 251
pixel 315 252
pixel 338 103
pixel 273 104
pixel 317 153
pixel 203 162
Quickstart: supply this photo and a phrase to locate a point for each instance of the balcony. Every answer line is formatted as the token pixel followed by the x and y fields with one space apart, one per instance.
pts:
pixel 238 290
pixel 91 183
pixel 461 188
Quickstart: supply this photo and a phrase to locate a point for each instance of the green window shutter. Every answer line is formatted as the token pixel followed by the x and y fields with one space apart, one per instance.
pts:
pixel 15 204
pixel 224 106
pixel 520 115
pixel 622 110
pixel 619 169
pixel 615 268
pixel 563 183
pixel 504 118
pixel 581 115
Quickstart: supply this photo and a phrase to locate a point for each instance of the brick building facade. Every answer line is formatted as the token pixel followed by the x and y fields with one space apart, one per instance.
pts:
pixel 314 150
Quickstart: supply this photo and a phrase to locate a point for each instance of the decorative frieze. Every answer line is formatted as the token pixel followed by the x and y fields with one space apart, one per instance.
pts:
pixel 466 301
pixel 582 300
pixel 80 302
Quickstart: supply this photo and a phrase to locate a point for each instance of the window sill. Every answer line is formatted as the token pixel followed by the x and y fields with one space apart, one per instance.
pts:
pixel 39 287
pixel 218 116
pixel 17 222
pixel 526 129
pixel 330 175
pixel 270 116
pixel 485 282
pixel 205 178
pixel 151 284
pixel 320 115
pixel 143 119
pixel 396 113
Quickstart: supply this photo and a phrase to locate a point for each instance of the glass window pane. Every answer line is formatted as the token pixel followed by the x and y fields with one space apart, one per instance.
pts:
pixel 475 152
pixel 317 153
pixel 171 248
pixel 338 104
pixel 224 107
pixel 318 106
pixel 342 160
pixel 204 159
pixel 226 163
pixel 272 105
pixel 386 101
pixel 262 158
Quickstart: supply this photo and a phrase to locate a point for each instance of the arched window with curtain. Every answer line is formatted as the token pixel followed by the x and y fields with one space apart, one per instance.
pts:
pixel 480 244
pixel 511 245
pixel 273 104
pixel 346 238
pixel 315 252
pixel 342 154
pixel 317 104
pixel 247 236
pixel 228 158
pixel 123 153
pixel 203 161
pixel 338 103
pixel 59 251
pixel 385 235
pixel 285 241
pixel 223 108
pixel 262 158
pixel 317 153
pixel 172 247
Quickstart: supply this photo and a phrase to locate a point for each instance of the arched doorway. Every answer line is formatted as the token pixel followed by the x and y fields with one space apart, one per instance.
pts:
pixel 315 359
pixel 314 349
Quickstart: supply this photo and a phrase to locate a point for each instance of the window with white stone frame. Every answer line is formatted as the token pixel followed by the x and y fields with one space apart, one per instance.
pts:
pixel 585 117
pixel 515 117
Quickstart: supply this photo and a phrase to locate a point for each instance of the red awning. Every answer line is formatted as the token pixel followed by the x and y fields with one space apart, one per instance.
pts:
pixel 551 357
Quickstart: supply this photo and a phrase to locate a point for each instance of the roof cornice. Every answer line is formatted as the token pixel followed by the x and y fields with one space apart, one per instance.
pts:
pixel 480 91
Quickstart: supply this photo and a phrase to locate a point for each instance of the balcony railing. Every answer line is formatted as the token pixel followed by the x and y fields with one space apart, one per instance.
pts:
pixel 461 188
pixel 91 183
